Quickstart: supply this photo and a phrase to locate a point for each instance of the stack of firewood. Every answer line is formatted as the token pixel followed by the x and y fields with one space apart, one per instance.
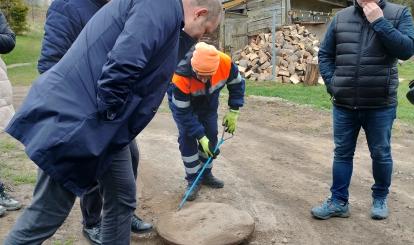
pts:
pixel 297 56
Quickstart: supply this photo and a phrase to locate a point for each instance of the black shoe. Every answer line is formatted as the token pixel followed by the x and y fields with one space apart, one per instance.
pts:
pixel 140 226
pixel 93 234
pixel 194 193
pixel 213 182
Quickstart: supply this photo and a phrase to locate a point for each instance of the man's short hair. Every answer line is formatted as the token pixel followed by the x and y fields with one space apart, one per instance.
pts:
pixel 214 6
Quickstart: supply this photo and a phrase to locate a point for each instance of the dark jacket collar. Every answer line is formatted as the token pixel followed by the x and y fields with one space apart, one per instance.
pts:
pixel 99 3
pixel 184 66
pixel 182 10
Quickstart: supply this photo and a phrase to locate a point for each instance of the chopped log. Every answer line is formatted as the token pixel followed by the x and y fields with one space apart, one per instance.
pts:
pixel 311 75
pixel 248 74
pixel 284 73
pixel 242 69
pixel 294 79
pixel 285 79
pixel 253 56
pixel 243 63
pixel 262 57
pixel 265 66
pixel 292 69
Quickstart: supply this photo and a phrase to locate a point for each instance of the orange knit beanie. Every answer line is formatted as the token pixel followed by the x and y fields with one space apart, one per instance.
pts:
pixel 205 60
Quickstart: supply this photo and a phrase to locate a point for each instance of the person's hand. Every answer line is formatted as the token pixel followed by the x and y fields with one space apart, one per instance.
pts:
pixel 230 121
pixel 204 142
pixel 373 12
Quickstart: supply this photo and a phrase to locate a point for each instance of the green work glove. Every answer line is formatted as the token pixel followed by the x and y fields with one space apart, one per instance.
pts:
pixel 204 142
pixel 230 121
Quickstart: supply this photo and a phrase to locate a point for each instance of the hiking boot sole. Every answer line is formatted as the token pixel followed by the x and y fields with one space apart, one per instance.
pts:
pixel 13 208
pixel 335 215
pixel 85 234
pixel 214 186
pixel 378 217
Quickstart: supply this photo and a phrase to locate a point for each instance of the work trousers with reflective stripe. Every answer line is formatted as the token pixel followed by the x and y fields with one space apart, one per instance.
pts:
pixel 191 153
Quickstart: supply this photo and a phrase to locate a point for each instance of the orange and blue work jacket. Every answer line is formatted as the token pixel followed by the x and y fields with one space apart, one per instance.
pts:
pixel 189 98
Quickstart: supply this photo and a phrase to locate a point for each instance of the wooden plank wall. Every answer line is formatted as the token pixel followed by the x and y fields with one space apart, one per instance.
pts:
pixel 260 14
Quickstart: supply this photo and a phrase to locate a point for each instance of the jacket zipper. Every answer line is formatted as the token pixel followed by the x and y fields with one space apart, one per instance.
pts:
pixel 358 64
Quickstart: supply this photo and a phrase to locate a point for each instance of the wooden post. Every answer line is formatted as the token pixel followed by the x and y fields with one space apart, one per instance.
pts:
pixel 311 75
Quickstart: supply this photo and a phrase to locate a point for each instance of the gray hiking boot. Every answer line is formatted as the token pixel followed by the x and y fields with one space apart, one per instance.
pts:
pixel 2 211
pixel 8 202
pixel 331 208
pixel 93 234
pixel 379 209
pixel 194 192
pixel 213 182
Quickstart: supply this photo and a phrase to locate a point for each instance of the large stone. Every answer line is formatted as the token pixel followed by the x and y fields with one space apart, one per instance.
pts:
pixel 206 224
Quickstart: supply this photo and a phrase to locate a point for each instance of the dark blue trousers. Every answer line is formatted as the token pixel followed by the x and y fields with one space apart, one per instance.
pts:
pixel 52 203
pixel 377 124
pixel 91 202
pixel 191 153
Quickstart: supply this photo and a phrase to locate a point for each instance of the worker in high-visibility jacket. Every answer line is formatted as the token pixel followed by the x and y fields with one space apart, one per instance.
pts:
pixel 194 99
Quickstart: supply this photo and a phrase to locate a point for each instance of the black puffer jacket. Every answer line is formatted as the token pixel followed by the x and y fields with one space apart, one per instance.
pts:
pixel 7 36
pixel 358 59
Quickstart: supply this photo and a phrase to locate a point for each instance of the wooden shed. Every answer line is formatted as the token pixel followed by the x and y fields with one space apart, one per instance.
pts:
pixel 246 18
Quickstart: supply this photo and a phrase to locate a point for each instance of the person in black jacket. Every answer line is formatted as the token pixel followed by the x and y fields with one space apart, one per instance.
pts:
pixel 358 62
pixel 7 43
pixel 7 36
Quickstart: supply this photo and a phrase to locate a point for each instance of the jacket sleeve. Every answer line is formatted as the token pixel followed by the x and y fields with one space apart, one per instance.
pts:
pixel 326 55
pixel 62 27
pixel 399 41
pixel 7 36
pixel 146 30
pixel 236 87
pixel 183 113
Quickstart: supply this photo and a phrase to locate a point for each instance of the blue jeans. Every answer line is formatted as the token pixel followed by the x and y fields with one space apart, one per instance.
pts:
pixel 377 124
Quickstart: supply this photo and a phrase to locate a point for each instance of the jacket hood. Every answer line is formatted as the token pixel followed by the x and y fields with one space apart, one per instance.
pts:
pixel 184 66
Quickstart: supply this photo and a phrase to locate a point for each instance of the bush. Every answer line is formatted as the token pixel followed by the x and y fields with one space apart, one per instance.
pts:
pixel 16 13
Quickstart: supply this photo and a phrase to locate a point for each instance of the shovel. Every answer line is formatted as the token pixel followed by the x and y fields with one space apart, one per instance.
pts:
pixel 187 193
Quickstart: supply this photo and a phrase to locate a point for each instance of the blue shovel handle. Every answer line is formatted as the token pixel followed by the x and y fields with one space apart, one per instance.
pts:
pixel 200 174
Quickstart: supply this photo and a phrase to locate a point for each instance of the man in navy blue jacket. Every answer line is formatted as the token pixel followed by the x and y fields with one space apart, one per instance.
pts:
pixel 65 19
pixel 358 62
pixel 80 116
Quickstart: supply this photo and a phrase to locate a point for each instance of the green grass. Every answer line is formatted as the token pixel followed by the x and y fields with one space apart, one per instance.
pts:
pixel 27 50
pixel 406 70
pixel 24 75
pixel 15 167
pixel 67 242
pixel 317 96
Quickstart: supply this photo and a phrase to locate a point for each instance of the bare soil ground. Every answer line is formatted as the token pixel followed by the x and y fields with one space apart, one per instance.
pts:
pixel 277 167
